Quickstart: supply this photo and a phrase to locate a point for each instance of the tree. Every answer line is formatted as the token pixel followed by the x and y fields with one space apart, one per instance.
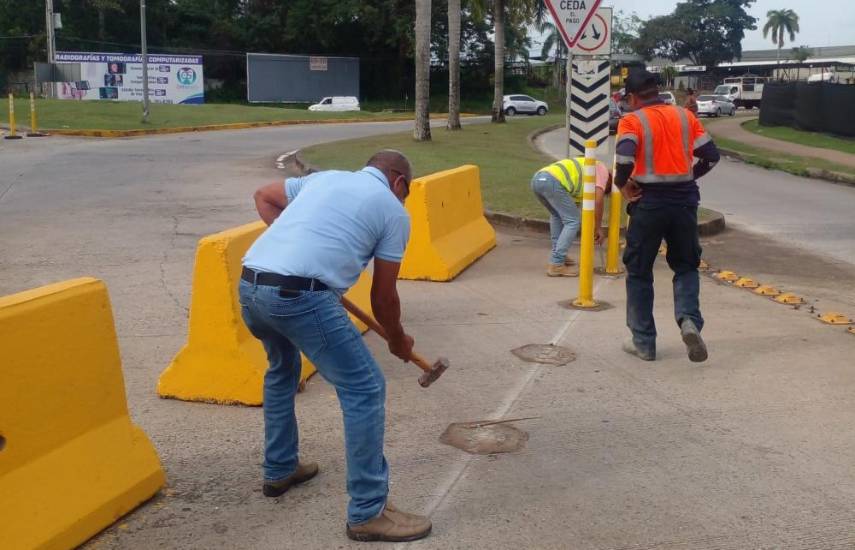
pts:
pixel 553 40
pixel 421 132
pixel 669 73
pixel 625 32
pixel 498 113
pixel 781 22
pixel 453 65
pixel 706 31
pixel 801 55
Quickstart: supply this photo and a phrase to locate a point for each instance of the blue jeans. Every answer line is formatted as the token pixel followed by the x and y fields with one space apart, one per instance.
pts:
pixel 317 324
pixel 648 225
pixel 563 214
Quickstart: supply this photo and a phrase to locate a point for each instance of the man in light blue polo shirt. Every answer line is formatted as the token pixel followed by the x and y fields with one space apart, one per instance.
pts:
pixel 324 229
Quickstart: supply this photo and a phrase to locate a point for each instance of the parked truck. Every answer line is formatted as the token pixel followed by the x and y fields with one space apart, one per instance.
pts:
pixel 744 91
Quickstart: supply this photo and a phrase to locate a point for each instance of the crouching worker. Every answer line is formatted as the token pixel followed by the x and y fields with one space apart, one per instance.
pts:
pixel 559 188
pixel 324 229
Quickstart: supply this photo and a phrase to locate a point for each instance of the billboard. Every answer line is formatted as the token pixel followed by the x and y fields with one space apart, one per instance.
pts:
pixel 299 78
pixel 118 76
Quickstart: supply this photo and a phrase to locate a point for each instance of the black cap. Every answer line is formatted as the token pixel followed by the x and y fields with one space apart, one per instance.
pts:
pixel 641 81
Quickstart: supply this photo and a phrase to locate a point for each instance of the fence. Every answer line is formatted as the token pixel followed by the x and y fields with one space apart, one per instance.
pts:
pixel 816 107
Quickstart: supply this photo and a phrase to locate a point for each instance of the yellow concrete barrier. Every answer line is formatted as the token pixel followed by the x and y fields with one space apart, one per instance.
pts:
pixel 221 361
pixel 448 228
pixel 71 461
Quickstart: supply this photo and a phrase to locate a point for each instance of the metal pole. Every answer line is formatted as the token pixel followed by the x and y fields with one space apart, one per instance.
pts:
pixel 144 63
pixel 568 91
pixel 585 300
pixel 51 41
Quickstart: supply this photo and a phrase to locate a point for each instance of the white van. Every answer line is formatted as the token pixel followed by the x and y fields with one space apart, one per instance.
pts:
pixel 336 103
pixel 742 91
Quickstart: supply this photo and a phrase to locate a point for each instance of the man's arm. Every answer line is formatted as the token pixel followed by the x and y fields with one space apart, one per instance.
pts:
pixel 270 201
pixel 707 152
pixel 387 307
pixel 625 149
pixel 598 215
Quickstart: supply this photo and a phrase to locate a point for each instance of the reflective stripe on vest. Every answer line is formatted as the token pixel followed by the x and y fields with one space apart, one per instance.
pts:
pixel 571 182
pixel 649 175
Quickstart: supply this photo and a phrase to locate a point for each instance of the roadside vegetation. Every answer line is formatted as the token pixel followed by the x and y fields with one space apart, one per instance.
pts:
pixel 812 139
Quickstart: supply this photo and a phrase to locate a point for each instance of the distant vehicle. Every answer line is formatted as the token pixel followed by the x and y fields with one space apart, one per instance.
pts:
pixel 336 103
pixel 743 91
pixel 523 104
pixel 615 115
pixel 715 105
pixel 668 98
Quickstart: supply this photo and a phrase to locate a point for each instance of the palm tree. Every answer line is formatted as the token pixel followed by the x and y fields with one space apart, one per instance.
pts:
pixel 499 61
pixel 421 132
pixel 453 65
pixel 553 40
pixel 801 54
pixel 781 22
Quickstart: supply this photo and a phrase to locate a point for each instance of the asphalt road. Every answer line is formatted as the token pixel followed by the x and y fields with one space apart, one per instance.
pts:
pixel 753 449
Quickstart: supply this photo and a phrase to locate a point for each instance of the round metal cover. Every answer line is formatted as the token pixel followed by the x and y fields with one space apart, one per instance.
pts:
pixel 546 354
pixel 482 439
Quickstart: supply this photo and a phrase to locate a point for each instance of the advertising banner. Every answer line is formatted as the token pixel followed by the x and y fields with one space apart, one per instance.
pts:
pixel 116 76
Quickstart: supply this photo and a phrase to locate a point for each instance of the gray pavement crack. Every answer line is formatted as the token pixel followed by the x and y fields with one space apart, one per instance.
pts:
pixel 163 282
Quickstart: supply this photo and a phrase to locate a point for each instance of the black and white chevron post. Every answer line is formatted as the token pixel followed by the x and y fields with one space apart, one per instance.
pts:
pixel 589 104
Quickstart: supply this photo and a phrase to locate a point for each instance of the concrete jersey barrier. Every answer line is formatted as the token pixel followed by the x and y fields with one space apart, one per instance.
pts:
pixel 71 461
pixel 221 361
pixel 448 229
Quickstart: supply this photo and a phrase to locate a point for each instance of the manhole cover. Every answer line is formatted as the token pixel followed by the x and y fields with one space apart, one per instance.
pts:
pixel 484 438
pixel 546 354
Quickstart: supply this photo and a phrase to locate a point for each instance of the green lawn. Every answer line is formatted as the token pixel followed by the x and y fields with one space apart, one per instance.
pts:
pixel 775 160
pixel 502 152
pixel 812 139
pixel 125 115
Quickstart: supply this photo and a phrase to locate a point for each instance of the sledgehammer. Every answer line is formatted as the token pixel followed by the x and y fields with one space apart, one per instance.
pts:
pixel 431 372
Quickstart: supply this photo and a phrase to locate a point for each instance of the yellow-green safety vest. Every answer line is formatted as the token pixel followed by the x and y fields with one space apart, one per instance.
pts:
pixel 568 172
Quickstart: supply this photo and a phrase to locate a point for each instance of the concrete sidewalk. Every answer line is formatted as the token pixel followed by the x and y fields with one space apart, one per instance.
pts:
pixel 731 128
pixel 755 448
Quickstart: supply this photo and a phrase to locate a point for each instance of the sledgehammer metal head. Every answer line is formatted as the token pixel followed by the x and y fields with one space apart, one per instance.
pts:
pixel 428 377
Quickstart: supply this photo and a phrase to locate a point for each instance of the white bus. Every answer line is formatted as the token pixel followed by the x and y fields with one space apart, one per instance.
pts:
pixel 743 91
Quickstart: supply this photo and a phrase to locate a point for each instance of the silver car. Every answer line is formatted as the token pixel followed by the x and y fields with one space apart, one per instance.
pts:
pixel 715 105
pixel 523 104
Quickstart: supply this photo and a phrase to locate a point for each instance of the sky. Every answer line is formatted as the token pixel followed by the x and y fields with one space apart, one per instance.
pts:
pixel 822 23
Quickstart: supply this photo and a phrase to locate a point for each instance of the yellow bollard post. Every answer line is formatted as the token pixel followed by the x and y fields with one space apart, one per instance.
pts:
pixel 613 253
pixel 34 124
pixel 585 299
pixel 12 132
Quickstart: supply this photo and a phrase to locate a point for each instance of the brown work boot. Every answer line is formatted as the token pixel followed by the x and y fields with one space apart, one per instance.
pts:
pixel 304 472
pixel 391 525
pixel 569 261
pixel 561 271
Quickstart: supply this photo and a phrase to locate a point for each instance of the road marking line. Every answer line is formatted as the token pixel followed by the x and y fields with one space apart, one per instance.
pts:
pixel 452 479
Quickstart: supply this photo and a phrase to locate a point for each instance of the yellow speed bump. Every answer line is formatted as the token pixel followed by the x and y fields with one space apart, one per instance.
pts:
pixel 71 460
pixel 449 231
pixel 767 290
pixel 834 318
pixel 727 276
pixel 745 282
pixel 789 299
pixel 221 361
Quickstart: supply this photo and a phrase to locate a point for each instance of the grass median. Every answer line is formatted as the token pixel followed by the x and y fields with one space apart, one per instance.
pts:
pixel 502 152
pixel 776 160
pixel 811 139
pixel 127 115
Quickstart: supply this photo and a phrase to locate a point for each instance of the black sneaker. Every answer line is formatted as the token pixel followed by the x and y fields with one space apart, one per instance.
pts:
pixel 694 343
pixel 304 473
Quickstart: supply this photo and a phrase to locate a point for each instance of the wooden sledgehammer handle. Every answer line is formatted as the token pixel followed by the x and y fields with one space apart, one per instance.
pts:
pixel 375 326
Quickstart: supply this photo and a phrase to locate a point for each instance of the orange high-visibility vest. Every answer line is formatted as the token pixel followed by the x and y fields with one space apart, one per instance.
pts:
pixel 666 137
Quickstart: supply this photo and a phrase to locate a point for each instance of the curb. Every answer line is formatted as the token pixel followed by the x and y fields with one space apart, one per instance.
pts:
pixel 230 126
pixel 532 137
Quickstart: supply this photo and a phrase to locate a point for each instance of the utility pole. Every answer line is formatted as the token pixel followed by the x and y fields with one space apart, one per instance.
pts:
pixel 51 39
pixel 144 63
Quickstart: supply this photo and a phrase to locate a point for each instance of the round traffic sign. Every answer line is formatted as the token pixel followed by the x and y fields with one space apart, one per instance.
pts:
pixel 595 36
